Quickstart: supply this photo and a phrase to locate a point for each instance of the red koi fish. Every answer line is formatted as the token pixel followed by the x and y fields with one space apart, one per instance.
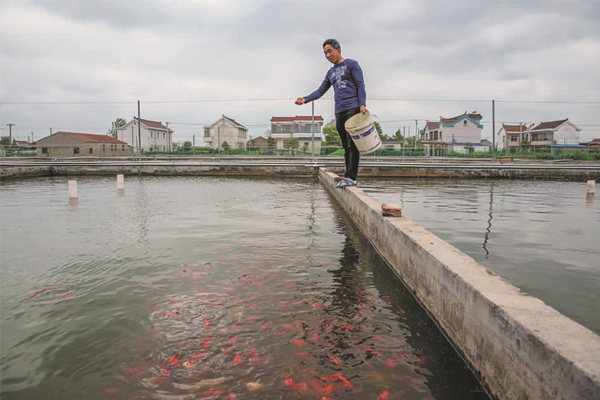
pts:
pixel 335 360
pixel 237 360
pixel 390 364
pixel 173 314
pixel 372 353
pixel 253 353
pixel 110 390
pixel 231 340
pixel 234 326
pixel 314 337
pixel 205 344
pixel 264 326
pixel 206 322
pixel 299 343
pixel 287 381
pixel 200 355
pixel 384 395
pixel 165 372
pixel 174 360
pixel 339 378
pixel 174 300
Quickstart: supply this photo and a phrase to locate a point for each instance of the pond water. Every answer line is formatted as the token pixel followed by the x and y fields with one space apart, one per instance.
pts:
pixel 541 236
pixel 198 287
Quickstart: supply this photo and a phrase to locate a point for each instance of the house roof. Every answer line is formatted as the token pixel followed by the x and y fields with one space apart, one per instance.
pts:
pixel 234 122
pixel 514 128
pixel 93 138
pixel 151 124
pixel 549 125
pixel 21 142
pixel 474 117
pixel 595 141
pixel 296 118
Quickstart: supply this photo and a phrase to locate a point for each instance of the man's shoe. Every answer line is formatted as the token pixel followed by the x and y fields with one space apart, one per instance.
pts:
pixel 346 182
pixel 338 178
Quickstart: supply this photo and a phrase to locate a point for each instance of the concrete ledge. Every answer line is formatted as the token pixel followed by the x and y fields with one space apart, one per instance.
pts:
pixel 519 347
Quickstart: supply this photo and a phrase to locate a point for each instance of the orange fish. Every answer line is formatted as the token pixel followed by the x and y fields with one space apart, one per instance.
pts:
pixel 314 337
pixel 253 353
pixel 264 326
pixel 335 360
pixel 231 340
pixel 384 395
pixel 205 344
pixel 390 364
pixel 174 360
pixel 237 360
pixel 287 381
pixel 299 343
pixel 200 355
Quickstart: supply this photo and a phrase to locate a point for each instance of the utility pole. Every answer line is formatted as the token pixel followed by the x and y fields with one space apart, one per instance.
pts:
pixel 10 133
pixel 139 131
pixel 416 134
pixel 168 136
pixel 51 147
pixel 493 130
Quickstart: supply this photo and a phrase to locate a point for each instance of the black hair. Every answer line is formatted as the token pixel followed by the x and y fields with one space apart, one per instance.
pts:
pixel 332 42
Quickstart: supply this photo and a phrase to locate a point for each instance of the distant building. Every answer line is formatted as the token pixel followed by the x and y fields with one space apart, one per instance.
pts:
pixel 554 133
pixel 440 135
pixel 72 144
pixel 511 134
pixel 154 135
pixel 299 127
pixel 226 130
pixel 258 143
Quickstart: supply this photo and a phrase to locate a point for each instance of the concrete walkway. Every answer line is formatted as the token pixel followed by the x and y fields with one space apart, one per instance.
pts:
pixel 519 347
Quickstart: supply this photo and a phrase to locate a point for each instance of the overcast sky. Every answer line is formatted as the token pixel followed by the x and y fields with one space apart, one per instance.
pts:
pixel 77 65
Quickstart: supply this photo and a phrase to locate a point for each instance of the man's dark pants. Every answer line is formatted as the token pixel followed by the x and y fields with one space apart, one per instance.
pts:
pixel 351 153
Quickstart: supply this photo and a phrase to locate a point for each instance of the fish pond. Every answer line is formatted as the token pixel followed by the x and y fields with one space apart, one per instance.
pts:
pixel 199 287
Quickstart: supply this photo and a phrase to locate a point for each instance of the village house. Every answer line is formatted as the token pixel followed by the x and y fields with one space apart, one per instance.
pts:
pixel 453 134
pixel 283 129
pixel 560 133
pixel 258 143
pixel 154 135
pixel 226 130
pixel 511 136
pixel 72 144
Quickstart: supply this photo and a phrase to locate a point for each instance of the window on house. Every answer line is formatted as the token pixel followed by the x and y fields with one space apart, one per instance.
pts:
pixel 103 147
pixel 75 150
pixel 91 150
pixel 123 147
pixel 44 150
pixel 206 132
pixel 465 122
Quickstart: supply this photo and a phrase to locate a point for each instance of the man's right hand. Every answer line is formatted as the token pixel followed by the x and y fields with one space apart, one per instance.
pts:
pixel 300 101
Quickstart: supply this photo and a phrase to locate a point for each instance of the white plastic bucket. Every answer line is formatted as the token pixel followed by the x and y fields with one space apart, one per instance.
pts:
pixel 363 131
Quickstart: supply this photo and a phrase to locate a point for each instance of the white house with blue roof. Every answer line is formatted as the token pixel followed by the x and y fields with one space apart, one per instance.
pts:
pixel 453 134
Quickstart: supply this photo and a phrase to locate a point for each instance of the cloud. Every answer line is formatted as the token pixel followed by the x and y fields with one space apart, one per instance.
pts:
pixel 174 56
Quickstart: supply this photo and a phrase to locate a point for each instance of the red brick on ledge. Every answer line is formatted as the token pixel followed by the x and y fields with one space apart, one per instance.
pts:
pixel 391 210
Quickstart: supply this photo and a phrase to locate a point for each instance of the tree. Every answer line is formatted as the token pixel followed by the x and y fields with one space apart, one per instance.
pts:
pixel 378 127
pixel 332 138
pixel 398 135
pixel 469 147
pixel 525 145
pixel 293 143
pixel 5 140
pixel 187 145
pixel 225 146
pixel 271 143
pixel 117 123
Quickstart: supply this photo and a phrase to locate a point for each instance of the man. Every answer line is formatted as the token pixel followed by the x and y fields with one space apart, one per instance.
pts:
pixel 350 98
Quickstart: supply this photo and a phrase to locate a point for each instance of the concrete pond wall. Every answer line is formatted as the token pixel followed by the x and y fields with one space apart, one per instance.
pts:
pixel 519 347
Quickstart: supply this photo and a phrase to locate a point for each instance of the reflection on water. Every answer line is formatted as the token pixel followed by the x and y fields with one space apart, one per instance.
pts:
pixel 541 236
pixel 181 288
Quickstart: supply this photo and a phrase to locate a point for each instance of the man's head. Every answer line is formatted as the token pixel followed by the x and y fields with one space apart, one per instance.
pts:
pixel 332 51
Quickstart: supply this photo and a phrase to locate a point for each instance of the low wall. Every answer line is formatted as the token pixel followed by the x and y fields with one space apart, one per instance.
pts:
pixel 519 347
pixel 15 169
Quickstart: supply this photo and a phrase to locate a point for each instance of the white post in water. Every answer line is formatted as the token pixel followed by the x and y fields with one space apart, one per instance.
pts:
pixel 120 182
pixel 72 189
pixel 591 187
